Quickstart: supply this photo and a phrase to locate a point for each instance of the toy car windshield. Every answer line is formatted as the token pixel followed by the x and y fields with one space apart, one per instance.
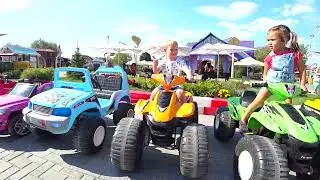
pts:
pixel 24 90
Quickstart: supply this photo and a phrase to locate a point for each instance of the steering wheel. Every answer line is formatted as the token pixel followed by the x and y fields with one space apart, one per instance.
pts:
pixel 95 83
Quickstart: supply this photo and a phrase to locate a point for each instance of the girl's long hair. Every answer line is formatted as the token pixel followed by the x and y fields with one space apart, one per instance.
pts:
pixel 287 36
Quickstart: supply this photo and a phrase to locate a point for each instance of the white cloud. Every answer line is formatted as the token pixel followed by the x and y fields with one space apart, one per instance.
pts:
pixel 235 11
pixel 297 9
pixel 12 5
pixel 153 34
pixel 247 31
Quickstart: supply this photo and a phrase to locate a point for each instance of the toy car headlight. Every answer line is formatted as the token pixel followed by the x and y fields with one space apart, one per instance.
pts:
pixel 3 111
pixel 61 112
pixel 30 105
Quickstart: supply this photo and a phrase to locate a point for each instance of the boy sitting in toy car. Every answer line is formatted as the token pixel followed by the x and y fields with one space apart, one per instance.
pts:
pixel 172 65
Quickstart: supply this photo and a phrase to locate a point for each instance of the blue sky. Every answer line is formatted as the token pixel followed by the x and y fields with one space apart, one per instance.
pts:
pixel 90 22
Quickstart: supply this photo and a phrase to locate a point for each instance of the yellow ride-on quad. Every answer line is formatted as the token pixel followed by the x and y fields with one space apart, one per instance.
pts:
pixel 162 120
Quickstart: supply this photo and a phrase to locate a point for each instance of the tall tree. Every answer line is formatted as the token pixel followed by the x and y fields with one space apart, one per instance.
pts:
pixel 305 52
pixel 44 44
pixel 120 58
pixel 77 59
pixel 145 57
pixel 261 53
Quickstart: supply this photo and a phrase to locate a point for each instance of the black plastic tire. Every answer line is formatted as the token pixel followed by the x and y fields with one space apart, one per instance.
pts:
pixel 128 143
pixel 194 151
pixel 122 112
pixel 17 127
pixel 195 116
pixel 269 162
pixel 84 135
pixel 224 127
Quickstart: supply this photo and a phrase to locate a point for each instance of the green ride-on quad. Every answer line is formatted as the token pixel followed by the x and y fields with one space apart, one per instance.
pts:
pixel 281 138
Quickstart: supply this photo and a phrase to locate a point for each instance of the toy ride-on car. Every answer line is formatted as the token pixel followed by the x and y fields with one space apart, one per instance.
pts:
pixel 280 137
pixel 12 104
pixel 6 85
pixel 75 104
pixel 311 108
pixel 163 119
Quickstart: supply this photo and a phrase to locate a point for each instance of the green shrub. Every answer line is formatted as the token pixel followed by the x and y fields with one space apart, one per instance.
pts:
pixel 208 88
pixel 6 66
pixel 21 65
pixel 45 74
pixel 240 71
pixel 13 74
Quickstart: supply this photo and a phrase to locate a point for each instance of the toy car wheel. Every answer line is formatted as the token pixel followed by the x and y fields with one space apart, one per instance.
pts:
pixel 124 110
pixel 194 151
pixel 195 116
pixel 17 127
pixel 258 157
pixel 127 144
pixel 89 134
pixel 224 126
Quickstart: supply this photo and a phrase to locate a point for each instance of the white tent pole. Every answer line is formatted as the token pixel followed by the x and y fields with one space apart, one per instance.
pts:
pixel 218 67
pixel 232 66
pixel 247 71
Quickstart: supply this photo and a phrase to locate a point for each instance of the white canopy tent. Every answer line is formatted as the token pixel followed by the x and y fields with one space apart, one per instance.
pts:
pixel 220 48
pixel 249 62
pixel 120 48
pixel 158 51
pixel 143 63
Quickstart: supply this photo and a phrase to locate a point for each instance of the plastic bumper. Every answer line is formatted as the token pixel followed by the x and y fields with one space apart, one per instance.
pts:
pixel 53 124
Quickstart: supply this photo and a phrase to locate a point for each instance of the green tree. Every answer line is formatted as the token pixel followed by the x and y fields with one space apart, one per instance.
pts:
pixel 145 57
pixel 261 53
pixel 77 59
pixel 305 52
pixel 44 45
pixel 120 58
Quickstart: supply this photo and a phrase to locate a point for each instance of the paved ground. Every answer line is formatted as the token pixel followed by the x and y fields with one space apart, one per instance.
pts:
pixel 28 158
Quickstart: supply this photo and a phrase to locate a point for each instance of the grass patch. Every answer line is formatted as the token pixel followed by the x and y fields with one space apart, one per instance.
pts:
pixel 71 79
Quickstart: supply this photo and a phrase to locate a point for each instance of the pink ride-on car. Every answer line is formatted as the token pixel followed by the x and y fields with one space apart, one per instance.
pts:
pixel 12 104
pixel 6 85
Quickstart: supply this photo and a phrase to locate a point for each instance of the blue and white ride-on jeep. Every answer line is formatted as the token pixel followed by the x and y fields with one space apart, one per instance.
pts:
pixel 79 101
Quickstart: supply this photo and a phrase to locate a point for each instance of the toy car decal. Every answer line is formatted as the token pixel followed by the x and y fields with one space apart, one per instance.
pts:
pixel 291 88
pixel 274 110
pixel 62 96
pixel 51 97
pixel 79 104
pixel 64 103
pixel 235 109
pixel 91 99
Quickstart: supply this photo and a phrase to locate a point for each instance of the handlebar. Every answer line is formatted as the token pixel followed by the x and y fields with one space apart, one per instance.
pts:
pixel 265 84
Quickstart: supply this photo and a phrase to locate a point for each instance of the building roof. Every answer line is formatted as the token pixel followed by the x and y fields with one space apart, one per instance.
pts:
pixel 210 35
pixel 16 49
pixel 45 50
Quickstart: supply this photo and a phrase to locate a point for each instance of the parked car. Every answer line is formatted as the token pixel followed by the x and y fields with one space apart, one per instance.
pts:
pixel 79 102
pixel 12 104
